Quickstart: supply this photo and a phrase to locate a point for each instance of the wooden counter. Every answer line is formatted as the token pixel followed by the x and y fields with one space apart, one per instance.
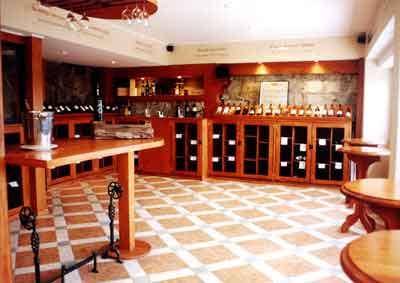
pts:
pixel 72 151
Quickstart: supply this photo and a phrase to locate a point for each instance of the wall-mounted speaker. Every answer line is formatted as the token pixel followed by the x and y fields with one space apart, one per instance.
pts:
pixel 364 38
pixel 170 48
pixel 222 72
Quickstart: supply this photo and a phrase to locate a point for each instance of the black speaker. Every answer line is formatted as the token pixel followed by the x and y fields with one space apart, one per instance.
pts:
pixel 170 48
pixel 364 38
pixel 222 72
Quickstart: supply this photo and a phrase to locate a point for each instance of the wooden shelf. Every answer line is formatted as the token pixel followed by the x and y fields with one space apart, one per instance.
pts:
pixel 166 98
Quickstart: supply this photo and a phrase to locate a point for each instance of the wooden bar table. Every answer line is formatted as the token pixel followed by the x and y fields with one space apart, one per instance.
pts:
pixel 74 151
pixel 373 258
pixel 382 196
pixel 361 142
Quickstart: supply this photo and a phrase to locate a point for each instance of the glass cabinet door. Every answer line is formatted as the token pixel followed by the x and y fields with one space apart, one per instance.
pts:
pixel 256 150
pixel 186 147
pixel 224 148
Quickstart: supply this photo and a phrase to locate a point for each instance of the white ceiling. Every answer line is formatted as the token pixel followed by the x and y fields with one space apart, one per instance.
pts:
pixel 216 21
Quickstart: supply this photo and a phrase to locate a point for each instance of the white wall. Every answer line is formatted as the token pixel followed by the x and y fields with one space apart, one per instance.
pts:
pixel 377 96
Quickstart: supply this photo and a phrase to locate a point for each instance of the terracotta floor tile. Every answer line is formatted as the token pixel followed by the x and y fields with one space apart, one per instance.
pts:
pixel 231 203
pixel 331 279
pixel 87 232
pixel 214 218
pixel 300 239
pixel 229 187
pixel 289 197
pixel 213 254
pixel 162 211
pixel 310 205
pixel 334 232
pixel 47 255
pixel 272 224
pixel 188 279
pixel 164 185
pixel 161 263
pixel 315 194
pixel 249 213
pixel 198 207
pixel 45 237
pixel 192 237
pixel 241 274
pixel 292 265
pixel 155 241
pixel 306 219
pixel 80 219
pixel 74 199
pixel 245 193
pixel 77 208
pixel 150 201
pixel 144 194
pixel 107 271
pixel 103 197
pixel 84 250
pixel 282 209
pixel 215 195
pixel 44 276
pixel 178 222
pixel 183 199
pixel 260 246
pixel 330 255
pixel 234 230
pixel 202 189
pixel 174 191
pixel 262 200
pixel 142 226
pixel 72 192
pixel 45 222
pixel 152 179
pixel 336 214
pixel 271 190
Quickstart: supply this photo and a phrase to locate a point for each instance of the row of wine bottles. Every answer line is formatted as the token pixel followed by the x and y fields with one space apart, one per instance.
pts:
pixel 188 110
pixel 78 108
pixel 285 110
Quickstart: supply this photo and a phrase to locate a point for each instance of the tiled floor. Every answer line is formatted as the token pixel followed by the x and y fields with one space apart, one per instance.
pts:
pixel 214 231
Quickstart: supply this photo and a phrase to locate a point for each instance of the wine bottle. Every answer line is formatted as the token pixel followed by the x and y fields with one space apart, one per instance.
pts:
pixel 293 110
pixel 268 110
pixel 252 111
pixel 277 110
pixel 339 112
pixel 187 110
pixel 300 111
pixel 309 110
pixel 324 111
pixel 259 109
pixel 285 110
pixel 194 110
pixel 67 108
pixel 331 110
pixel 317 112
pixel 220 109
pixel 245 110
pixel 238 109
pixel 348 112
pixel 147 88
pixel 98 115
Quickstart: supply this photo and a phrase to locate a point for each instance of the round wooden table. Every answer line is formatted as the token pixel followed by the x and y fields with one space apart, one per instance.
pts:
pixel 361 142
pixel 382 196
pixel 364 156
pixel 373 258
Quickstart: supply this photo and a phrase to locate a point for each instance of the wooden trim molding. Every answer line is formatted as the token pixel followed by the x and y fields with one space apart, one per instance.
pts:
pixel 34 72
pixel 12 38
pixel 5 249
pixel 360 99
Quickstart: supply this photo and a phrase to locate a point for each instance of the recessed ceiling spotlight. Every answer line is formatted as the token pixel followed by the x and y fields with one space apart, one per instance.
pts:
pixel 63 52
pixel 179 77
pixel 316 61
pixel 113 62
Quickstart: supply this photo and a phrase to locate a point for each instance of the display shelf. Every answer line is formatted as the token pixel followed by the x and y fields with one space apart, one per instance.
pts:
pixel 165 98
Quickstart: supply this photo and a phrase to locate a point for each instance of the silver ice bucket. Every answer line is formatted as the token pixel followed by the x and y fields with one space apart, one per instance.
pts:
pixel 38 130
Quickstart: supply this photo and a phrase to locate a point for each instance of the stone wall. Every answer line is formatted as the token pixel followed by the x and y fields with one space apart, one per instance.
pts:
pixel 303 89
pixel 69 84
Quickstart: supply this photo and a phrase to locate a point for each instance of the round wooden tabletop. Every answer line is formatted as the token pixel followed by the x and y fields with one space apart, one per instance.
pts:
pixel 384 192
pixel 373 258
pixel 361 142
pixel 365 151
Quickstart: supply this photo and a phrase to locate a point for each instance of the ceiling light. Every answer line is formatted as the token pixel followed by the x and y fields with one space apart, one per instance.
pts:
pixel 63 52
pixel 316 61
pixel 113 62
pixel 179 77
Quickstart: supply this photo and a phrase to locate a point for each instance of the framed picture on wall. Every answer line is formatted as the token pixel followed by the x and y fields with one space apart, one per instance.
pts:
pixel 274 93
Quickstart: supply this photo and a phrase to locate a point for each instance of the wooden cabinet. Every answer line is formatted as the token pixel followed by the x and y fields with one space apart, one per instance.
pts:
pixel 329 165
pixel 257 154
pixel 288 149
pixel 224 148
pixel 292 152
pixel 188 149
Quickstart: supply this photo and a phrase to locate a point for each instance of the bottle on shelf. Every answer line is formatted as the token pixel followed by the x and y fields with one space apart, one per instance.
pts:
pixel 147 88
pixel 259 109
pixel 348 112
pixel 245 109
pixel 293 110
pixel 309 111
pixel 232 109
pixel 180 113
pixel 285 110
pixel 339 112
pixel 268 110
pixel 252 111
pixel 301 111
pixel 67 109
pixel 187 109
pixel 277 110
pixel 194 111
pixel 98 114
pixel 153 88
pixel 317 112
pixel 324 111
pixel 220 109
pixel 331 111
pixel 238 109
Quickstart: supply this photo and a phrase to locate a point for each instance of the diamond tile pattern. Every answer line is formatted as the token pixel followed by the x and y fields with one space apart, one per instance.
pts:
pixel 200 231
